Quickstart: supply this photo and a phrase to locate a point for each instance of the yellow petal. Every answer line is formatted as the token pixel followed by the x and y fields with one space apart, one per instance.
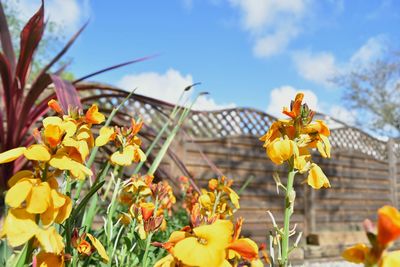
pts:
pixel 18 193
pixel 18 176
pixel 99 247
pixel 356 253
pixel 44 259
pixel 39 199
pixel 64 211
pixel 19 226
pixel 105 135
pixel 53 120
pixel 69 127
pixel 390 259
pixel 63 162
pixel 37 152
pixel 316 178
pixel 123 158
pixel 50 240
pixel 11 155
pixel 167 261
pixel 280 151
pixel 190 252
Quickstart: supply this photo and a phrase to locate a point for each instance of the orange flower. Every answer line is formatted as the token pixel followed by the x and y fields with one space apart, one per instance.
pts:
pixel 94 116
pixel 388 225
pixel 54 105
pixel 295 107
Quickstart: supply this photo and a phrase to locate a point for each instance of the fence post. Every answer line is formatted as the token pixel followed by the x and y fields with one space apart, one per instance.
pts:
pixel 392 162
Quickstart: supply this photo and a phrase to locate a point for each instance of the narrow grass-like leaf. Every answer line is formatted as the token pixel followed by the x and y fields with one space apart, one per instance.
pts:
pixel 86 199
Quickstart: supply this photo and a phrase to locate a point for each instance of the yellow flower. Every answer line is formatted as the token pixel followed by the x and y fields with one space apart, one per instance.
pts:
pixel 129 154
pixel 99 247
pixel 167 261
pixel 62 162
pixel 356 254
pixel 44 259
pixel 388 224
pixel 94 116
pixel 84 247
pixel 316 178
pixel 59 209
pixel 11 155
pixel 207 246
pixel 50 240
pixel 390 259
pixel 53 135
pixel 19 226
pixel 34 192
pixel 106 134
pixel 233 196
pixel 280 150
pixel 302 162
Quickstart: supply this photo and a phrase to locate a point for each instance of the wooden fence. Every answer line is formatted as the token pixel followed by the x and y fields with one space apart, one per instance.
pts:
pixel 364 172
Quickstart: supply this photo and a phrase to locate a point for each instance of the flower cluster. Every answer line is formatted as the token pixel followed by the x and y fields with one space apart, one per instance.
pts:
pixel 377 253
pixel 127 142
pixel 290 140
pixel 34 198
pixel 211 239
pixel 146 202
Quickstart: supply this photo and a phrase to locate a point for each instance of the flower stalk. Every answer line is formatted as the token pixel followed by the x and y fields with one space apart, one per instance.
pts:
pixel 289 205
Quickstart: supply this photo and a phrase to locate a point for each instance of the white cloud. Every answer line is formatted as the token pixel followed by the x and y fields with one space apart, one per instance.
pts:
pixel 168 87
pixel 317 67
pixel 342 114
pixel 322 67
pixel 68 14
pixel 272 24
pixel 281 96
pixel 274 43
pixel 371 50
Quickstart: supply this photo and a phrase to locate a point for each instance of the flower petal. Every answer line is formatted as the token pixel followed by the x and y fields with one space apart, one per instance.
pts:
pixel 105 135
pixel 19 226
pixel 39 199
pixel 94 116
pixel 50 240
pixel 11 155
pixel 18 193
pixel 37 152
pixel 99 247
pixel 388 224
pixel 18 176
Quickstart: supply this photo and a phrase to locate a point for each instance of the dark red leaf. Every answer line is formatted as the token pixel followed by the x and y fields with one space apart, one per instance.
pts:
pixel 30 38
pixel 6 78
pixel 66 93
pixel 6 41
pixel 64 50
pixel 112 68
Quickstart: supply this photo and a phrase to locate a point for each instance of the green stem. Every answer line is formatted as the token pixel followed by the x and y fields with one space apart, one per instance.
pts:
pixel 216 203
pixel 289 203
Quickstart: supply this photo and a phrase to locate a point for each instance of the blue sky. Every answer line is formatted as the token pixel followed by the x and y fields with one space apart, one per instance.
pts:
pixel 254 53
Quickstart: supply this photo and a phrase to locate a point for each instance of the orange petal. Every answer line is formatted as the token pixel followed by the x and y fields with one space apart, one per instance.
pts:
pixel 388 224
pixel 246 248
pixel 94 116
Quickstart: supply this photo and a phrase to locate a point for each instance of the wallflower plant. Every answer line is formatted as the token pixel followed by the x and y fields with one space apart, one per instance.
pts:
pixel 290 142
